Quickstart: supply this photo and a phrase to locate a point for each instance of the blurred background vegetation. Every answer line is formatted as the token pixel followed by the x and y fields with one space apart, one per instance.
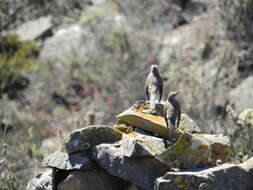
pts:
pixel 65 64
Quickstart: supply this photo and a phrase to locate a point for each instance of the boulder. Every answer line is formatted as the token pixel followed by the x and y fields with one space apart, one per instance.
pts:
pixel 34 29
pixel 138 145
pixel 95 179
pixel 65 41
pixel 190 151
pixel 88 137
pixel 140 171
pixel 42 181
pixel 63 161
pixel 220 144
pixel 246 117
pixel 248 166
pixel 138 116
pixel 223 177
pixel 245 90
pixel 188 125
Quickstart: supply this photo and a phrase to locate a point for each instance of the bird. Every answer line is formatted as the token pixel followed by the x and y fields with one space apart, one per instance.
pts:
pixel 154 86
pixel 172 113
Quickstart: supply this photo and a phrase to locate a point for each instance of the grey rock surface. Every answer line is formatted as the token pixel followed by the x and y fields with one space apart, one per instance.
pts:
pixel 139 171
pixel 88 137
pixel 224 177
pixel 190 151
pixel 42 181
pixel 242 95
pixel 138 145
pixel 34 29
pixel 64 161
pixel 188 125
pixel 96 179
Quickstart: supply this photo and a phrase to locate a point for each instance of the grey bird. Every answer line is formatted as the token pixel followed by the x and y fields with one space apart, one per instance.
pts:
pixel 154 86
pixel 172 113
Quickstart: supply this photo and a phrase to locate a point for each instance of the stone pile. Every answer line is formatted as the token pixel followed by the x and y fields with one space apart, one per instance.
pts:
pixel 135 154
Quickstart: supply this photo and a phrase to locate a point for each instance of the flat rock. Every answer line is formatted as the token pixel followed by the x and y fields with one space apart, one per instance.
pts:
pixel 42 181
pixel 95 179
pixel 34 29
pixel 190 151
pixel 223 177
pixel 138 116
pixel 138 145
pixel 139 171
pixel 88 137
pixel 64 161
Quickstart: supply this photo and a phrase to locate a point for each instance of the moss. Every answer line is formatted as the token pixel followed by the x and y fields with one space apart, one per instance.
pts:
pixel 16 57
pixel 179 179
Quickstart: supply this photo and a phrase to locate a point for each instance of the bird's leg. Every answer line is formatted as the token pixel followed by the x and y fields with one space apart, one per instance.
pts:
pixel 172 132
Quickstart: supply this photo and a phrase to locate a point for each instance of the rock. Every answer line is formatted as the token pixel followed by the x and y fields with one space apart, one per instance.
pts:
pixel 137 117
pixel 246 117
pixel 139 171
pixel 145 121
pixel 34 29
pixel 245 90
pixel 188 125
pixel 190 151
pixel 88 137
pixel 95 179
pixel 248 166
pixel 224 177
pixel 133 187
pixel 63 42
pixel 220 144
pixel 63 161
pixel 42 181
pixel 138 145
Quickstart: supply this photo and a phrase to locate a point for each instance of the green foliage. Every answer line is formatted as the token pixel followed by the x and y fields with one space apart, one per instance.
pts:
pixel 10 183
pixel 16 58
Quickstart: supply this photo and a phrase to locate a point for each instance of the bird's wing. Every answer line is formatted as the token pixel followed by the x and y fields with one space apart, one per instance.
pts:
pixel 147 91
pixel 179 115
pixel 165 117
pixel 160 83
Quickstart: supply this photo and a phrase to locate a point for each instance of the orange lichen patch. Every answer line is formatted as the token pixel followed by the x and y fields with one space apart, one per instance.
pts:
pixel 123 128
pixel 156 119
pixel 147 122
pixel 203 146
pixel 132 135
pixel 219 151
pixel 142 107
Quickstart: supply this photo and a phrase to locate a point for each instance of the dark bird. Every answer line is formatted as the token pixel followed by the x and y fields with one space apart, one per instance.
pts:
pixel 154 86
pixel 172 113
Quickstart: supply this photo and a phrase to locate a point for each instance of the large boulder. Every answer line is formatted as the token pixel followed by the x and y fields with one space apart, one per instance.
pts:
pixel 223 177
pixel 138 116
pixel 141 171
pixel 34 29
pixel 196 150
pixel 241 96
pixel 63 161
pixel 190 151
pixel 88 137
pixel 95 179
